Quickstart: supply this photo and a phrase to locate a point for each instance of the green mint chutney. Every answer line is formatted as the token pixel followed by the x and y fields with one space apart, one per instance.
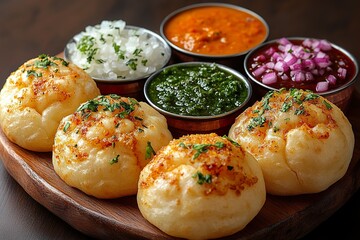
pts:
pixel 197 90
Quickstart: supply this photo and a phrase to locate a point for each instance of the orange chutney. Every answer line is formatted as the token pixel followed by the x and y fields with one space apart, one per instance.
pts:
pixel 215 30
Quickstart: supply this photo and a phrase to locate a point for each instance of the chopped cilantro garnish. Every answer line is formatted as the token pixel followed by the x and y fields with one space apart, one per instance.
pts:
pixel 219 144
pixel 138 118
pixel 328 105
pixel 276 129
pixel 99 61
pixel 108 105
pixel 266 99
pixel 182 145
pixel 44 61
pixel 66 126
pixel 137 52
pixel 149 151
pixel 86 45
pixel 300 110
pixel 258 121
pixel 132 63
pixel 33 73
pixel 120 53
pixel 115 159
pixel 201 178
pixel 144 62
pixel 200 148
pixel 232 141
pixel 102 39
pixel 286 106
pixel 230 168
pixel 311 96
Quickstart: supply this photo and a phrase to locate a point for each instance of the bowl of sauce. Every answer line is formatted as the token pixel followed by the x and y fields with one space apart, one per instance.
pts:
pixel 214 32
pixel 303 63
pixel 198 97
pixel 119 57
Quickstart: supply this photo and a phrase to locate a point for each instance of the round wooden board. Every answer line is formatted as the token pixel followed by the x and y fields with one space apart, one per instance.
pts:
pixel 280 218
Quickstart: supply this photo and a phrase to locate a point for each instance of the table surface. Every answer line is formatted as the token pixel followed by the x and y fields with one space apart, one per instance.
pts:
pixel 31 27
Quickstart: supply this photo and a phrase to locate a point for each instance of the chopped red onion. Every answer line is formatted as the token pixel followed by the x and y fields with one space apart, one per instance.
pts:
pixel 307 43
pixel 270 51
pixel 303 62
pixel 259 71
pixel 254 65
pixel 322 86
pixel 325 45
pixel 270 65
pixel 284 41
pixel 260 58
pixel 315 72
pixel 308 64
pixel 342 73
pixel 297 66
pixel 299 77
pixel 322 60
pixel 281 66
pixel 284 77
pixel 290 59
pixel 331 79
pixel 276 56
pixel 309 76
pixel 288 48
pixel 269 78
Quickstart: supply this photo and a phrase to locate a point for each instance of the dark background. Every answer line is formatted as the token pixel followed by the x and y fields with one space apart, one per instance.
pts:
pixel 32 27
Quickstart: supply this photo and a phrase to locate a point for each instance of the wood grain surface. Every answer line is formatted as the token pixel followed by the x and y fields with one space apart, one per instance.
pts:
pixel 280 218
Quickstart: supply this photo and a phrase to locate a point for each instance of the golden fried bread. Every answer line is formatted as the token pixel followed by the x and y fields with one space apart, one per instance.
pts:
pixel 102 147
pixel 201 186
pixel 37 96
pixel 303 142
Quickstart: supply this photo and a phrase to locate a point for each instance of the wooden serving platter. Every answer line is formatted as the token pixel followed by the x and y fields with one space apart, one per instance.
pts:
pixel 280 218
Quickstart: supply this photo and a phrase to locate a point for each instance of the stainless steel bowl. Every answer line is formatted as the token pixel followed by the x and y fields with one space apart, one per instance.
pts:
pixel 128 87
pixel 231 60
pixel 339 96
pixel 185 124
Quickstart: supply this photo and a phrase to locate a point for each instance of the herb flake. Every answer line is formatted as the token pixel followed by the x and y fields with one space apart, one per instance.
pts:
pixel 149 151
pixel 327 105
pixel 115 159
pixel 201 178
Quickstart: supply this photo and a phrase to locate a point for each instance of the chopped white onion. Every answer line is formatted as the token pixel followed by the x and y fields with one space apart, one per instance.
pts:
pixel 117 52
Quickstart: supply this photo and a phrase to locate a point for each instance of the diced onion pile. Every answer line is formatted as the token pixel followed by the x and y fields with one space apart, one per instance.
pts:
pixel 112 51
pixel 298 63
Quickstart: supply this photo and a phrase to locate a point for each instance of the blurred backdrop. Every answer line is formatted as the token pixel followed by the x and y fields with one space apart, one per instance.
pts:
pixel 31 27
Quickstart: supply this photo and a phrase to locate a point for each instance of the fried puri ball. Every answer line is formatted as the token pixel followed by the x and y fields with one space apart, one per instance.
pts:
pixel 102 147
pixel 303 142
pixel 201 186
pixel 37 96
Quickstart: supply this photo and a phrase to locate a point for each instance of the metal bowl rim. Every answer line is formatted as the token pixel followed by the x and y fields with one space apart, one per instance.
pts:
pixel 127 80
pixel 340 88
pixel 199 5
pixel 210 117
